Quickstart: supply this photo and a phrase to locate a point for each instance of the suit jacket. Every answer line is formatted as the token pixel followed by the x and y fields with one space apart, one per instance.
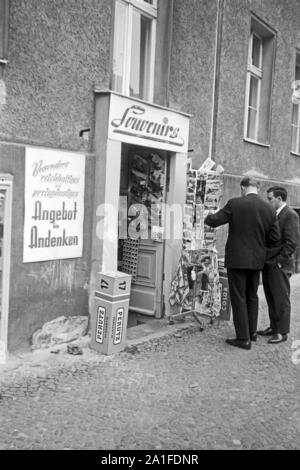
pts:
pixel 289 229
pixel 252 225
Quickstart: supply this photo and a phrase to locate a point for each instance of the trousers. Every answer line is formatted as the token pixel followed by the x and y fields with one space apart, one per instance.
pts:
pixel 276 283
pixel 243 286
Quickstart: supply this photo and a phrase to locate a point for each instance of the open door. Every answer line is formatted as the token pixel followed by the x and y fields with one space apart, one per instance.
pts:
pixel 5 248
pixel 143 181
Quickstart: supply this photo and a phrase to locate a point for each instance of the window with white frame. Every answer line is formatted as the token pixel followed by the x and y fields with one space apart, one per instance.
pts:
pixel 134 48
pixel 254 85
pixel 296 110
pixel 259 83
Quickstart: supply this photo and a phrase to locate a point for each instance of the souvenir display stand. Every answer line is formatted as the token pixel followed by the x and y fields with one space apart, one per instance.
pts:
pixel 196 289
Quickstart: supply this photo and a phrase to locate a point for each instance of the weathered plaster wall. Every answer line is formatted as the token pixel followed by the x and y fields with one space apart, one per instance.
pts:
pixel 192 68
pixel 45 290
pixel 162 52
pixel 236 155
pixel 58 50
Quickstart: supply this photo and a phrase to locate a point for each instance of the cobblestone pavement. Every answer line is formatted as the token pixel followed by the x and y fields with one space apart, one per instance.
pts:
pixel 184 391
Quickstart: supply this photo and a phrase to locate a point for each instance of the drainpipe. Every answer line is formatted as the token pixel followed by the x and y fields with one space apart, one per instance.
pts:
pixel 216 81
pixel 169 58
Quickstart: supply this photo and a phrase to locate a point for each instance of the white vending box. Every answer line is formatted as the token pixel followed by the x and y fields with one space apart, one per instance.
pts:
pixel 110 312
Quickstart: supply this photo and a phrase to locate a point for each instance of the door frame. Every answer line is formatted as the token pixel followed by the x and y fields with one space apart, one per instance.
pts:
pixel 126 150
pixel 6 182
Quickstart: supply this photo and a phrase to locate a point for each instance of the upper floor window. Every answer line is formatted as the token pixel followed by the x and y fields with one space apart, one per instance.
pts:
pixel 134 48
pixel 259 83
pixel 3 29
pixel 254 85
pixel 296 110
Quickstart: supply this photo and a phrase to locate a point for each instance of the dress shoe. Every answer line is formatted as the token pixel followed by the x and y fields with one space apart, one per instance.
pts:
pixel 253 337
pixel 277 338
pixel 239 343
pixel 267 332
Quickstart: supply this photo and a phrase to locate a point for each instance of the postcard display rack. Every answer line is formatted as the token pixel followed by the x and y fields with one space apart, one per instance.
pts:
pixel 195 288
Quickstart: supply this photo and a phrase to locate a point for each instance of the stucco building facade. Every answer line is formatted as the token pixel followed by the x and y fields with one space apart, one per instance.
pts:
pixel 58 60
pixel 209 68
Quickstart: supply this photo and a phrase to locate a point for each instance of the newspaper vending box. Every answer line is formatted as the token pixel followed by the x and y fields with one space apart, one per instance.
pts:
pixel 110 313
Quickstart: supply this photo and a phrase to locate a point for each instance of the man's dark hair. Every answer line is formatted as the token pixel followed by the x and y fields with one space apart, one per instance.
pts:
pixel 249 181
pixel 278 191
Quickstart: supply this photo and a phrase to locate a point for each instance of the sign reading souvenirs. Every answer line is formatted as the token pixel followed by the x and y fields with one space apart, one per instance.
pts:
pixel 136 122
pixel 54 205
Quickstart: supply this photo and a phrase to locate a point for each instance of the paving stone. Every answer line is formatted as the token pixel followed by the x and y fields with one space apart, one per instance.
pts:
pixel 192 393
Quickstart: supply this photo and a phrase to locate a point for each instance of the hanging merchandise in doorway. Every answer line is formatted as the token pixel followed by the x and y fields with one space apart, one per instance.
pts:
pixel 143 176
pixel 138 179
pixel 146 183
pixel 146 188
pixel 156 195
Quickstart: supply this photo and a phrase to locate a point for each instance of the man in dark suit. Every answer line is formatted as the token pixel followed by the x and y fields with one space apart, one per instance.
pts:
pixel 279 267
pixel 252 222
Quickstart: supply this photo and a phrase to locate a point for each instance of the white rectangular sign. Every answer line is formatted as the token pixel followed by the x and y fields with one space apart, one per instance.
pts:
pixel 54 205
pixel 139 123
pixel 100 325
